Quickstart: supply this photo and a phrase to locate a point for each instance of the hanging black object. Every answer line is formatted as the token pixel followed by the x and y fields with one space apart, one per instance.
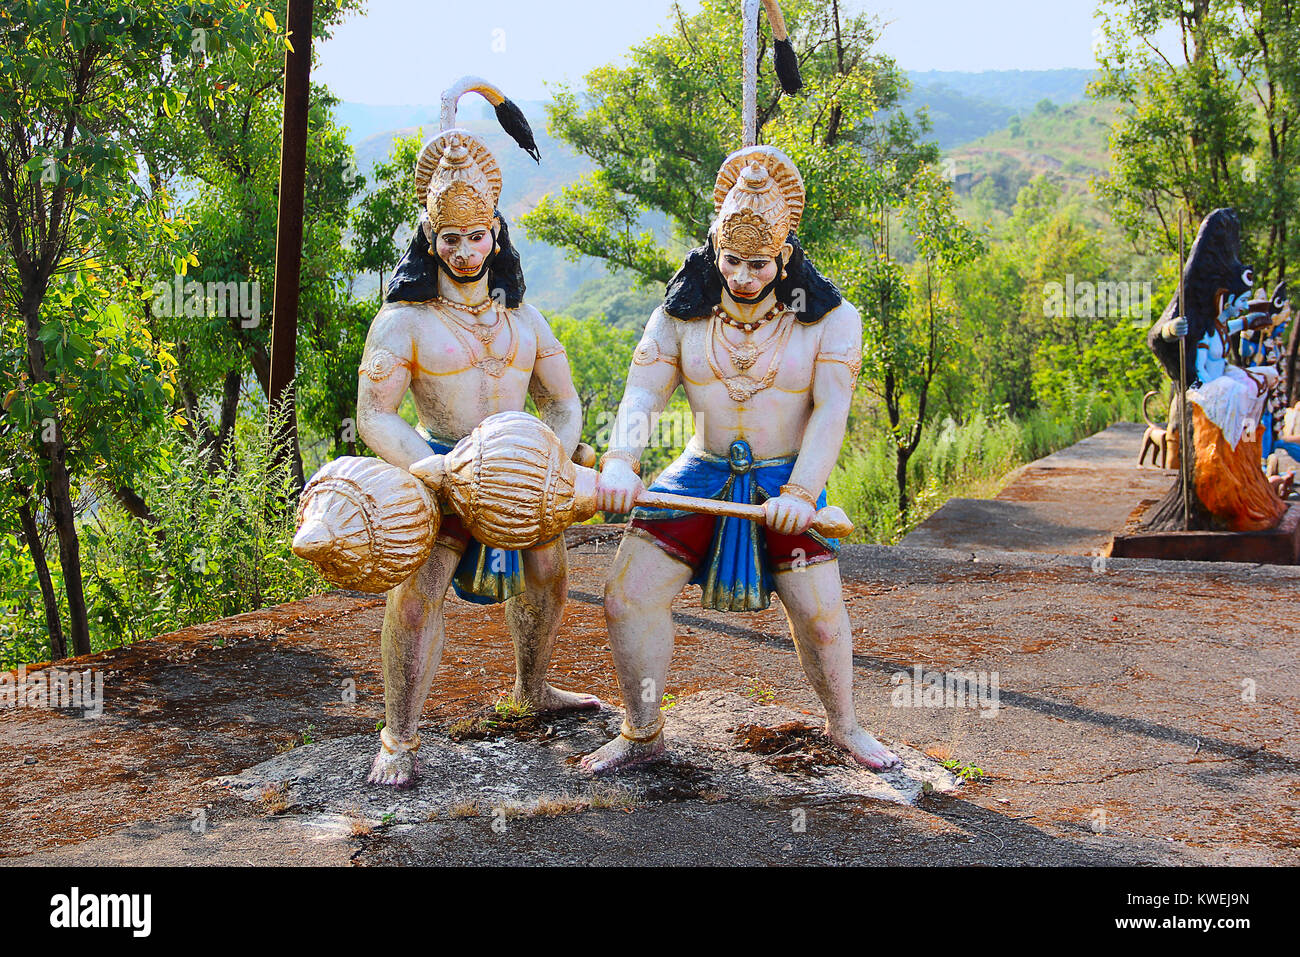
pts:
pixel 787 67
pixel 513 121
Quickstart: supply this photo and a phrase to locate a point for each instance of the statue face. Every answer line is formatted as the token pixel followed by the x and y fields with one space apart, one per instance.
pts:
pixel 1231 306
pixel 465 249
pixel 746 276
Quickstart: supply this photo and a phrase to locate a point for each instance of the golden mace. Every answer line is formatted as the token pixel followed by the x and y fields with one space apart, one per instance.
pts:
pixel 510 483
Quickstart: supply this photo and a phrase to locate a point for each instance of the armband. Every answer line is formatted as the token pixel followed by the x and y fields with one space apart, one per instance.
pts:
pixel 852 360
pixel 379 366
pixel 648 353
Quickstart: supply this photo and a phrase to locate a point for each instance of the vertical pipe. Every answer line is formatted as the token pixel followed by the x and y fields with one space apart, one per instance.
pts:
pixel 1184 445
pixel 749 83
pixel 289 226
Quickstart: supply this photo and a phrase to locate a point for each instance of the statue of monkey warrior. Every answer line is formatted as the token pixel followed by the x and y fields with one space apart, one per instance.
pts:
pixel 455 331
pixel 768 353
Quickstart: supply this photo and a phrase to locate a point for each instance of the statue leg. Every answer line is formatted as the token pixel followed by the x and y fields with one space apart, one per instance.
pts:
pixel 638 608
pixel 411 647
pixel 823 637
pixel 534 621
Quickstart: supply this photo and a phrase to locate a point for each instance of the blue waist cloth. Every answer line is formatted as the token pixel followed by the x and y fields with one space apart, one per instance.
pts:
pixel 484 575
pixel 737 575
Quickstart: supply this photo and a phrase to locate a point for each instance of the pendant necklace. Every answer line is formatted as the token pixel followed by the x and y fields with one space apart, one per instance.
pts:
pixel 743 386
pixel 493 365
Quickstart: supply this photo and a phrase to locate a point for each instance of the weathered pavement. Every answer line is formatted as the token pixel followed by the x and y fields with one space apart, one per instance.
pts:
pixel 1068 503
pixel 1146 714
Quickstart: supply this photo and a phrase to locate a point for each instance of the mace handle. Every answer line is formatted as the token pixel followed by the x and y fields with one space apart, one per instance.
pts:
pixel 830 521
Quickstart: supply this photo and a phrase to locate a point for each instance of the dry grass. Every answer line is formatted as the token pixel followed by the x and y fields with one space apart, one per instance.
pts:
pixel 275 797
pixel 511 810
pixel 465 728
pixel 940 752
pixel 613 797
pixel 465 808
pixel 358 826
pixel 557 805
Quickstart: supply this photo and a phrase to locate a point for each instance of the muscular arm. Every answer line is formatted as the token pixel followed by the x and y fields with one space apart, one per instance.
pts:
pixel 653 376
pixel 384 377
pixel 838 361
pixel 552 386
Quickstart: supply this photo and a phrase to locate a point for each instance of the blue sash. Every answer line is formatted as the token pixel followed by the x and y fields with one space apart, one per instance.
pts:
pixel 484 575
pixel 737 575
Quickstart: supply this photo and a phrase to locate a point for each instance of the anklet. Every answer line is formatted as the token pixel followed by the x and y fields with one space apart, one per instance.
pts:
pixel 640 735
pixel 393 746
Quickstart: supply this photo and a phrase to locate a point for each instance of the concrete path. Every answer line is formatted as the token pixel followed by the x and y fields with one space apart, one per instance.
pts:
pixel 1068 503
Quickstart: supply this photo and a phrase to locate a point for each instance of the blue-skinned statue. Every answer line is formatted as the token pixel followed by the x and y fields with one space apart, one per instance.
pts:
pixel 1227 489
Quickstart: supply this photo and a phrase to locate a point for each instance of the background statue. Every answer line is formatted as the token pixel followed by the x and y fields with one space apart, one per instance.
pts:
pixel 1228 490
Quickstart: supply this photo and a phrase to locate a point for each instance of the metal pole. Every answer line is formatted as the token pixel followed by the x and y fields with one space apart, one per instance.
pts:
pixel 749 75
pixel 1184 446
pixel 289 230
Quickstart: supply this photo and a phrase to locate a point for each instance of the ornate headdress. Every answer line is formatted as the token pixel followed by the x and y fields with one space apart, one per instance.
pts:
pixel 758 199
pixel 457 179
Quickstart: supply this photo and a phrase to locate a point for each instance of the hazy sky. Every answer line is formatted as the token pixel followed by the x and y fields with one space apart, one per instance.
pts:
pixel 405 51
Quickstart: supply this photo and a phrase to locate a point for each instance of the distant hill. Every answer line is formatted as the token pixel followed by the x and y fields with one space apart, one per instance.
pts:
pixel 1016 90
pixel 364 121
pixel 990 125
pixel 1069 142
pixel 965 106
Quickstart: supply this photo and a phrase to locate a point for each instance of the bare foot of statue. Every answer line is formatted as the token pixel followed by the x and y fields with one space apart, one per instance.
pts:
pixel 622 753
pixel 553 699
pixel 394 769
pixel 865 749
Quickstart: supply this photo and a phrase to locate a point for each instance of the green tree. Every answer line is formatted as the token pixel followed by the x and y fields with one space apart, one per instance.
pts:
pixel 228 151
pixel 1208 123
pixel 69 79
pixel 385 209
pixel 659 127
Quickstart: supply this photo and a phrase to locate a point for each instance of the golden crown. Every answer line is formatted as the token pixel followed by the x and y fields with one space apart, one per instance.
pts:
pixel 458 180
pixel 758 199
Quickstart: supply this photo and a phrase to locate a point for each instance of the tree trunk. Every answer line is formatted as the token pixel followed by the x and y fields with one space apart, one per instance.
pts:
pixel 32 536
pixel 900 475
pixel 229 411
pixel 58 486
pixel 1292 362
pixel 130 500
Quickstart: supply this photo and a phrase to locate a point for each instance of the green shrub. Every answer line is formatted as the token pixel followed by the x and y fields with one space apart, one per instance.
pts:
pixel 220 546
pixel 955 459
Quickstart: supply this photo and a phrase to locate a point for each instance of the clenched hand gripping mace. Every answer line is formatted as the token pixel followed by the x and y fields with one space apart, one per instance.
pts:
pixel 368 525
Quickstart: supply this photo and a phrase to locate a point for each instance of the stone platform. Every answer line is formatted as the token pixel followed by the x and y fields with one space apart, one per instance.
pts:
pixel 1277 546
pixel 1148 713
